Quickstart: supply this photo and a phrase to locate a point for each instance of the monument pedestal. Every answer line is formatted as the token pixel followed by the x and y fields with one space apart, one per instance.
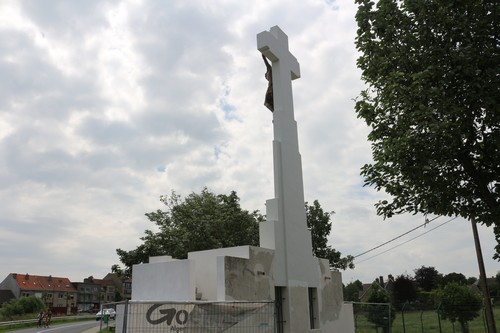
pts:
pixel 247 274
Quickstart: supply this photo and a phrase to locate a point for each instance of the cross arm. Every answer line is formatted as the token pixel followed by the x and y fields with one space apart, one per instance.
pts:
pixel 273 44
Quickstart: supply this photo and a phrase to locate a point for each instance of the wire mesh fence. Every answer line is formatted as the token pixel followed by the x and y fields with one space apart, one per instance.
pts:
pixel 194 317
pixel 372 317
pixel 381 318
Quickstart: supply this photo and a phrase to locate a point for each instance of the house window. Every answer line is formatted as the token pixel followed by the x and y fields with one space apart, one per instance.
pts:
pixel 313 308
pixel 25 294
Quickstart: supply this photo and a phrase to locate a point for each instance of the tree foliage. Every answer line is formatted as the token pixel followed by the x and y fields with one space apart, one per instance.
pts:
pixel 471 280
pixel 495 289
pixel 352 290
pixel 318 222
pixel 198 222
pixel 432 104
pixel 208 221
pixel 404 291
pixel 458 278
pixel 427 278
pixel 459 304
pixel 21 306
pixel 380 314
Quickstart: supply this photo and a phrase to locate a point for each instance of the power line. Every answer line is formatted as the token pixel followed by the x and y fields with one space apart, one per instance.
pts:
pixel 411 239
pixel 392 240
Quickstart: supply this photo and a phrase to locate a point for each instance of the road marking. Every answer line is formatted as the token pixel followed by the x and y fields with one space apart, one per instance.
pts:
pixel 59 327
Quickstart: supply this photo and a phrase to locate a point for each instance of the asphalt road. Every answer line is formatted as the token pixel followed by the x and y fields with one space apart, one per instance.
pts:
pixel 77 327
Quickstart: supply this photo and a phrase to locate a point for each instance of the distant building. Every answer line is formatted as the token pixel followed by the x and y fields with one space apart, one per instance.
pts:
pixel 93 292
pixel 387 286
pixel 56 292
pixel 108 290
pixel 5 296
pixel 89 295
pixel 492 287
pixel 59 292
pixel 123 287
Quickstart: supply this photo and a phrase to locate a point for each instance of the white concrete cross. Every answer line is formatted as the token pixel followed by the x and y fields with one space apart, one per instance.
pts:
pixel 286 230
pixel 274 45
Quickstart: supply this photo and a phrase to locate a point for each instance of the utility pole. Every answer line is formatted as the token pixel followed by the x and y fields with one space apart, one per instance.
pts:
pixel 490 320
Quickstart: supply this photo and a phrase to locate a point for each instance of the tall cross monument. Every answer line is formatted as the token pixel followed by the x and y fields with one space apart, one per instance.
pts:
pixel 307 294
pixel 286 227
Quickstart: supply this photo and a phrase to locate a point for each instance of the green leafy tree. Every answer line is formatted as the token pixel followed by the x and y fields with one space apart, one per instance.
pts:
pixel 381 313
pixel 198 222
pixel 426 300
pixel 495 289
pixel 318 222
pixel 432 104
pixel 352 290
pixel 404 291
pixel 207 221
pixel 459 304
pixel 427 278
pixel 119 271
pixel 458 278
pixel 118 296
pixel 471 280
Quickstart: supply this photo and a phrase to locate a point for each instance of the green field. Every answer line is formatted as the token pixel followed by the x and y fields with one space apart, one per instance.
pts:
pixel 425 322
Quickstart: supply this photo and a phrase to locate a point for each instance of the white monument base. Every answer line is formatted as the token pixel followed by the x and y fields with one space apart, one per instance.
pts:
pixel 246 273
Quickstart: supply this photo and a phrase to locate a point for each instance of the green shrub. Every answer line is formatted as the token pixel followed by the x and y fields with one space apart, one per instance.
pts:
pixel 21 306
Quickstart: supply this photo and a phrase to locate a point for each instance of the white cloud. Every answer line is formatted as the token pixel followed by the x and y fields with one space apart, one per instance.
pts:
pixel 106 105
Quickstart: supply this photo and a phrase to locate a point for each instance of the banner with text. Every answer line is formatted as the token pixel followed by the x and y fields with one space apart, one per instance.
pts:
pixel 209 317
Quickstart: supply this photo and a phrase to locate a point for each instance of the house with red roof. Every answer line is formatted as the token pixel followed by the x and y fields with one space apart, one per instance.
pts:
pixel 57 292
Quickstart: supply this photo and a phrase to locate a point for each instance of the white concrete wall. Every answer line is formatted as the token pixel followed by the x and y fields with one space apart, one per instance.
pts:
pixel 248 279
pixel 157 259
pixel 245 273
pixel 345 323
pixel 272 236
pixel 221 278
pixel 164 281
pixel 206 269
pixel 120 315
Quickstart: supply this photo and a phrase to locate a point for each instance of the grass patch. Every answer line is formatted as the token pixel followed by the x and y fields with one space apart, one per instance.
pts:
pixel 426 321
pixel 55 321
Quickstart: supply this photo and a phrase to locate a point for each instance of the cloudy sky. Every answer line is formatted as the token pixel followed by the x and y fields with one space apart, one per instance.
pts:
pixel 106 105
